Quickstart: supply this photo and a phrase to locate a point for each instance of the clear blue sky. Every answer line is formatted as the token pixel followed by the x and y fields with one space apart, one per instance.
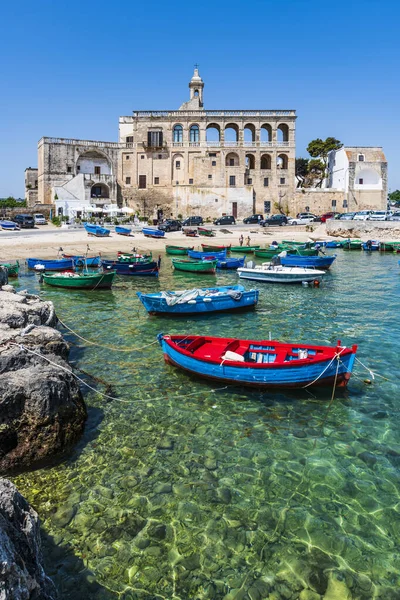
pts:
pixel 70 69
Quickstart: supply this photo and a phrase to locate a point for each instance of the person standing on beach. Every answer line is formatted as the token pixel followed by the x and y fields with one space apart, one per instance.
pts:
pixel 248 241
pixel 241 240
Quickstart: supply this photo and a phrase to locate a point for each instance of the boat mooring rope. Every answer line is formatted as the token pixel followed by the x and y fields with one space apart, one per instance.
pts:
pixel 326 368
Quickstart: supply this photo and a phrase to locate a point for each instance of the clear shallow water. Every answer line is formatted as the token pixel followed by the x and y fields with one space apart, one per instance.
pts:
pixel 181 489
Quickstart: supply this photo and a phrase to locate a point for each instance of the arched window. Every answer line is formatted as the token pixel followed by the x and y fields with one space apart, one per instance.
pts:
pixel 282 161
pixel 213 133
pixel 282 133
pixel 178 134
pixel 194 134
pixel 249 134
pixel 232 160
pixel 266 133
pixel 266 161
pixel 250 161
pixel 231 134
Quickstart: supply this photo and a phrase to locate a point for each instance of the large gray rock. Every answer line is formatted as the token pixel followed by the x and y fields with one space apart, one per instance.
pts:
pixel 21 570
pixel 41 406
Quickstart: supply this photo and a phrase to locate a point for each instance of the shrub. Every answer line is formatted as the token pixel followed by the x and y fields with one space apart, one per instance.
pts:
pixel 56 221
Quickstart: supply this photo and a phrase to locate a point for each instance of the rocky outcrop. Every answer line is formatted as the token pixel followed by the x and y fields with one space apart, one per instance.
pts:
pixel 42 412
pixel 21 571
pixel 380 230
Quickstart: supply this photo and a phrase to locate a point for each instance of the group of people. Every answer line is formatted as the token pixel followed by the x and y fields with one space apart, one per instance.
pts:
pixel 241 240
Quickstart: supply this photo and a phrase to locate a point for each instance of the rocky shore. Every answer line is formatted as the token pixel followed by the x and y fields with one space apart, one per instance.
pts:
pixel 42 414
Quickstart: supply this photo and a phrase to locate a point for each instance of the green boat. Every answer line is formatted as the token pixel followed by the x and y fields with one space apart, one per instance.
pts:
pixel 12 269
pixel 294 243
pixel 244 249
pixel 194 266
pixel 81 281
pixel 304 252
pixel 206 232
pixel 210 248
pixel 389 246
pixel 266 252
pixel 352 245
pixel 178 250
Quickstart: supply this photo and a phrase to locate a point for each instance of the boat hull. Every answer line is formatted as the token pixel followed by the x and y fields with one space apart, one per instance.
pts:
pixel 98 281
pixel 317 374
pixel 9 226
pixel 282 275
pixel 206 255
pixel 96 230
pixel 317 262
pixel 123 230
pixel 63 264
pixel 81 261
pixel 153 233
pixel 210 248
pixel 12 269
pixel 124 268
pixel 231 263
pixel 200 266
pixel 177 250
pixel 244 249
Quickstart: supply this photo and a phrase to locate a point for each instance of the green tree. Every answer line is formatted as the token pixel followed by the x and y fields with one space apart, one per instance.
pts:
pixel 319 149
pixel 394 196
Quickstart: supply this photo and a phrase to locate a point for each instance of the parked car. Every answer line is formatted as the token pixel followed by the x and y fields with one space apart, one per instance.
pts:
pixel 326 216
pixel 193 221
pixel 253 219
pixel 170 225
pixel 347 216
pixel 302 219
pixel 225 220
pixel 274 220
pixel 362 215
pixel 395 216
pixel 380 215
pixel 39 219
pixel 25 221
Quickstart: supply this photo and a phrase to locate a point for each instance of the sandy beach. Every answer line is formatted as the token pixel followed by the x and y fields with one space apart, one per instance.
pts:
pixel 45 243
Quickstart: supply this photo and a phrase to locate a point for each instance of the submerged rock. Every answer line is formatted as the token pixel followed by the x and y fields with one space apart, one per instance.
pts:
pixel 21 570
pixel 41 406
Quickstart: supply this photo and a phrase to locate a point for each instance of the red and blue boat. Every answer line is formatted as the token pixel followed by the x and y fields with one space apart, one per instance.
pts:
pixel 260 363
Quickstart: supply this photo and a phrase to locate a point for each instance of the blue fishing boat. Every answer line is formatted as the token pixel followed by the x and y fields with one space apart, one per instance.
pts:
pixel 60 264
pixel 81 261
pixel 123 230
pixel 315 262
pixel 9 225
pixel 198 255
pixel 153 232
pixel 371 246
pixel 96 230
pixel 333 244
pixel 230 263
pixel 140 268
pixel 199 300
pixel 260 363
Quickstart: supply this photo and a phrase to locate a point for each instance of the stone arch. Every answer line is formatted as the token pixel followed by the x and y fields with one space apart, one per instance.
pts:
pixel 250 161
pixel 249 133
pixel 88 160
pixel 213 132
pixel 282 161
pixel 232 160
pixel 194 133
pixel 99 190
pixel 178 168
pixel 177 133
pixel 368 177
pixel 231 130
pixel 282 133
pixel 266 161
pixel 266 133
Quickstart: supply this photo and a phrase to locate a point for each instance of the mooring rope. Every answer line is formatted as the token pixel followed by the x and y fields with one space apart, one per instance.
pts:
pixel 326 368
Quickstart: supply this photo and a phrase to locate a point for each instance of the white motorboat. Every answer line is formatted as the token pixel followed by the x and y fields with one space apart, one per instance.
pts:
pixel 278 274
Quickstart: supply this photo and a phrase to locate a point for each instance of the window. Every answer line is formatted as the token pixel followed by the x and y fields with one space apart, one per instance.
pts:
pixel 127 180
pixel 142 182
pixel 249 181
pixel 232 180
pixel 344 203
pixel 212 154
pixel 210 177
pixel 361 181
pixel 160 156
pixel 154 139
pixel 361 158
pixel 190 181
pixel 97 170
pixel 178 134
pixel 156 180
pixel 194 134
pixel 129 139
pixel 266 182
pixel 267 206
pixel 69 169
pixel 282 180
pixel 127 157
pixel 35 183
pixel 142 156
pixel 78 168
pixel 213 163
pixel 178 164
pixel 333 203
pixel 231 162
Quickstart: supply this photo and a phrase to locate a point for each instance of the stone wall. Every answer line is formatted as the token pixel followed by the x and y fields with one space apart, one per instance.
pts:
pixel 319 201
pixel 381 230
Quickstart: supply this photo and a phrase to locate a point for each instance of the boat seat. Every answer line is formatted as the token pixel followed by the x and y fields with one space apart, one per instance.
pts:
pixel 195 344
pixel 232 346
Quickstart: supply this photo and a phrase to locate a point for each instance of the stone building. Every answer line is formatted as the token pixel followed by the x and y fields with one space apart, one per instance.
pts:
pixel 210 162
pixel 31 186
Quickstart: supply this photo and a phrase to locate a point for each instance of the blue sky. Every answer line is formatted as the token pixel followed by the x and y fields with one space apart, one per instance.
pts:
pixel 70 69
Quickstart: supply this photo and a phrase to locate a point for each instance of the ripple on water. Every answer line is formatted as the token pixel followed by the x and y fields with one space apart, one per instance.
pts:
pixel 181 490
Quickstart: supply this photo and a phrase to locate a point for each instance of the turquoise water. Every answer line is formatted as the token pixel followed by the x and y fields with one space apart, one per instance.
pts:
pixel 181 489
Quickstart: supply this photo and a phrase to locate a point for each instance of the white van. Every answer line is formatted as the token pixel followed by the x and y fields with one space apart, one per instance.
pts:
pixel 39 219
pixel 362 215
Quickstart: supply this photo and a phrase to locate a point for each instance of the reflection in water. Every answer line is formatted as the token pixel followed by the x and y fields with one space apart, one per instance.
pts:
pixel 194 490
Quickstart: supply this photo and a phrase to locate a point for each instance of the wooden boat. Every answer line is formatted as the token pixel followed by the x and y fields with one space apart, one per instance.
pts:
pixel 199 300
pixel 81 281
pixel 177 250
pixel 260 363
pixel 352 245
pixel 96 230
pixel 303 251
pixel 195 266
pixel 280 274
pixel 371 246
pixel 244 249
pixel 123 230
pixel 60 264
pixel 387 246
pixel 190 232
pixel 197 254
pixel 315 262
pixel 139 268
pixel 333 244
pixel 12 268
pixel 266 252
pixel 9 225
pixel 206 232
pixel 133 255
pixel 231 263
pixel 210 248
pixel 153 232
pixel 81 261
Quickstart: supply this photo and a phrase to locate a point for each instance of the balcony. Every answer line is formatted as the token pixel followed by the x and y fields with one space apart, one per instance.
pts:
pixel 227 144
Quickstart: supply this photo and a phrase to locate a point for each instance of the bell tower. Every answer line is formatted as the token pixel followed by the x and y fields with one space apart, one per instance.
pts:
pixel 196 86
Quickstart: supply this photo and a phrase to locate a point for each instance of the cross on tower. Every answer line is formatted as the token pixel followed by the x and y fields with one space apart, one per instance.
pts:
pixel 196 66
